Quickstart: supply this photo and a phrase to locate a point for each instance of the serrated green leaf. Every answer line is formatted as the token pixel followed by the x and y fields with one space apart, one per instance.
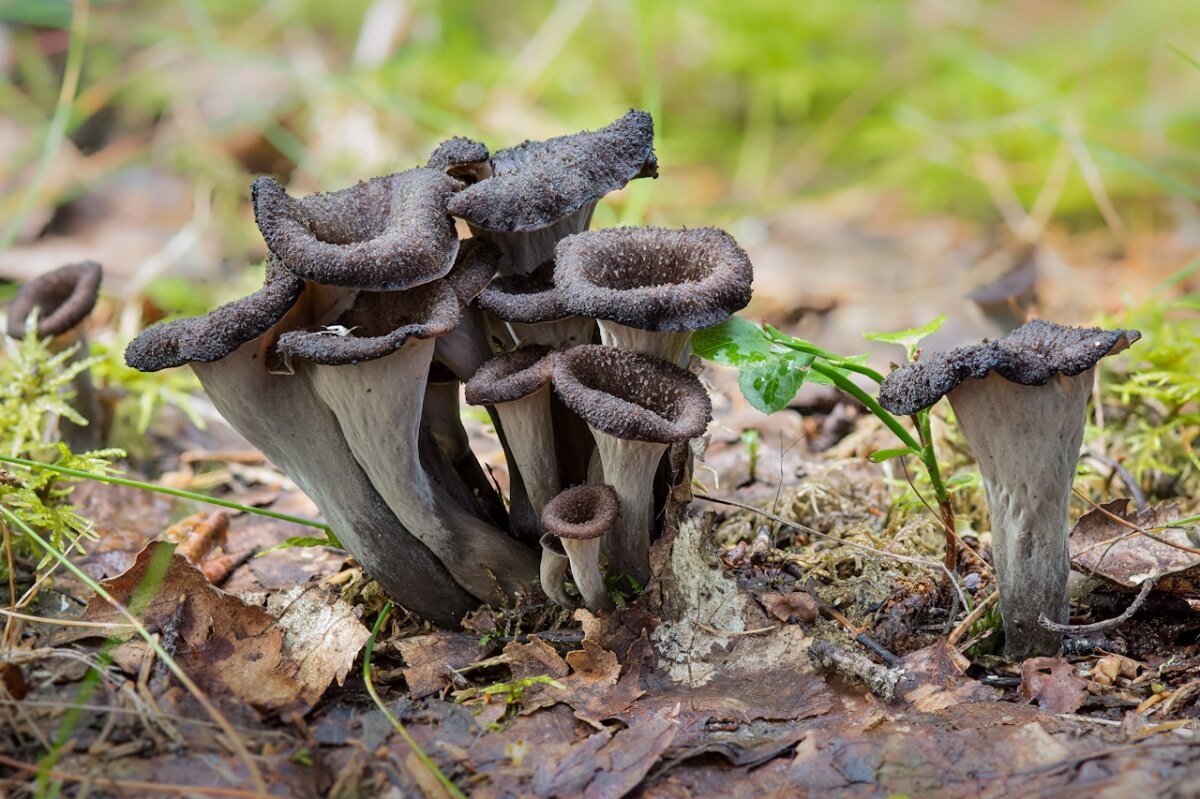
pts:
pixel 881 455
pixel 908 338
pixel 734 342
pixel 769 387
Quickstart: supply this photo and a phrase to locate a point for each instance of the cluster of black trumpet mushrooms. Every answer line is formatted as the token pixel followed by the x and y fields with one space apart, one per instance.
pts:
pixel 346 368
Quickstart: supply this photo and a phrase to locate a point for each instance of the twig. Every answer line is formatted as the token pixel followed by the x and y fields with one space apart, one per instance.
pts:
pixel 965 625
pixel 881 680
pixel 1126 523
pixel 1108 624
pixel 136 785
pixel 708 628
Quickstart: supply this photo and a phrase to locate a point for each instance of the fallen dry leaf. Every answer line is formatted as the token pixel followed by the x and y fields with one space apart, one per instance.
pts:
pixel 1059 691
pixel 934 679
pixel 237 651
pixel 1103 546
pixel 797 606
pixel 428 659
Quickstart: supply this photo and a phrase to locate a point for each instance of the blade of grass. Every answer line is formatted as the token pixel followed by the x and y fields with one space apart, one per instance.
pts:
pixel 57 130
pixel 234 740
pixel 171 492
pixel 422 756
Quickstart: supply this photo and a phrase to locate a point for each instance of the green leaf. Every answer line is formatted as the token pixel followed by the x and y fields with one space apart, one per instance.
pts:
pixel 908 338
pixel 881 455
pixel 304 541
pixel 734 342
pixel 770 386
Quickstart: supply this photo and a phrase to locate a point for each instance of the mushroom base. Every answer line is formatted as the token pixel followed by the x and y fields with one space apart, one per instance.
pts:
pixel 1026 440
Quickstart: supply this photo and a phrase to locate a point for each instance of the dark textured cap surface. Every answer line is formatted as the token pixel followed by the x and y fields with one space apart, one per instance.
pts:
pixel 1030 356
pixel 63 297
pixel 473 269
pixel 387 234
pixel 462 158
pixel 510 377
pixel 378 324
pixel 583 512
pixel 525 299
pixel 631 395
pixel 535 184
pixel 210 338
pixel 653 278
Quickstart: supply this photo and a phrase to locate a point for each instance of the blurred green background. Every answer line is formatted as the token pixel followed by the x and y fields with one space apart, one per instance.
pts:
pixel 1081 112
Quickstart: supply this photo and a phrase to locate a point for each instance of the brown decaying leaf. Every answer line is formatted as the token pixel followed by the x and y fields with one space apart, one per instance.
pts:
pixel 1117 553
pixel 797 606
pixel 429 658
pixel 1059 691
pixel 279 656
pixel 934 679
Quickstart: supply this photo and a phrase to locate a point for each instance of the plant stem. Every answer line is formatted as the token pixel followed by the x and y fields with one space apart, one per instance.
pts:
pixel 929 458
pixel 422 756
pixel 846 385
pixel 836 361
pixel 172 492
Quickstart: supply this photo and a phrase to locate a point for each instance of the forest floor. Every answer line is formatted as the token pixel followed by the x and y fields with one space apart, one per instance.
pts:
pixel 818 650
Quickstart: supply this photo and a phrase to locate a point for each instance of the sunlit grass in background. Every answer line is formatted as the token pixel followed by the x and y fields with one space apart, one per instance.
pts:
pixel 757 102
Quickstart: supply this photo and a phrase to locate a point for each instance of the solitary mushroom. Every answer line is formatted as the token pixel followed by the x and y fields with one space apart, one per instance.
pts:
pixel 282 415
pixel 650 288
pixel 1021 403
pixel 63 299
pixel 373 378
pixel 389 233
pixel 636 405
pixel 541 191
pixel 580 518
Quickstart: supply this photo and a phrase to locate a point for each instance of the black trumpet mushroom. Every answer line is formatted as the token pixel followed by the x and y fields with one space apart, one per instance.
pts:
pixel 1021 403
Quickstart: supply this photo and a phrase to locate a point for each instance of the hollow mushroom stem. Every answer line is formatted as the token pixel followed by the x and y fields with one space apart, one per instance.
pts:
pixel 1027 478
pixel 672 346
pixel 553 571
pixel 629 467
pixel 580 518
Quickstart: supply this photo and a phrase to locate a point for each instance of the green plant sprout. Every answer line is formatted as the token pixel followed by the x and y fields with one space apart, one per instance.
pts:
pixel 772 366
pixel 510 693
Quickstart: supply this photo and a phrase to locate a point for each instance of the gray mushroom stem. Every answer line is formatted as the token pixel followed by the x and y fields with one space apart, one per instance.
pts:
pixel 584 555
pixel 672 346
pixel 530 437
pixel 282 416
pixel 553 571
pixel 442 422
pixel 523 251
pixel 629 467
pixel 385 394
pixel 1027 439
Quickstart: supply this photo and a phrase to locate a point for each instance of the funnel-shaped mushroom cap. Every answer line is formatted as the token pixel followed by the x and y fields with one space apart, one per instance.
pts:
pixel 512 376
pixel 582 512
pixel 537 183
pixel 212 337
pixel 654 278
pixel 387 234
pixel 526 299
pixel 462 158
pixel 378 324
pixel 1029 356
pixel 63 299
pixel 631 395
pixel 473 269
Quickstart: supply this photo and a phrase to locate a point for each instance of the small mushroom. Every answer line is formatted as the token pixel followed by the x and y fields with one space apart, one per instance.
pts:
pixel 229 350
pixel 541 191
pixel 636 405
pixel 528 309
pixel 580 518
pixel 63 299
pixel 373 378
pixel 650 288
pixel 1006 301
pixel 1021 403
pixel 389 233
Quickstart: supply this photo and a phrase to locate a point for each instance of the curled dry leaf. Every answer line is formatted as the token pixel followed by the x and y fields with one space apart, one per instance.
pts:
pixel 797 606
pixel 429 658
pixel 1120 555
pixel 280 655
pixel 1054 684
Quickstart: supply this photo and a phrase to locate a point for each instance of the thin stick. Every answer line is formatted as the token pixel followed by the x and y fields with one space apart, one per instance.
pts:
pixel 137 785
pixel 974 616
pixel 99 625
pixel 1107 624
